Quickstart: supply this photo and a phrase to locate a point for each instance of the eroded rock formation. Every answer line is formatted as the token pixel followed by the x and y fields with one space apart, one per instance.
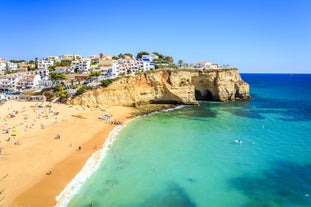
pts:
pixel 169 86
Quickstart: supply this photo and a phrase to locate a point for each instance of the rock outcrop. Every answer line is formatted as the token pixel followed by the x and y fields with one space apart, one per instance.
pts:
pixel 169 86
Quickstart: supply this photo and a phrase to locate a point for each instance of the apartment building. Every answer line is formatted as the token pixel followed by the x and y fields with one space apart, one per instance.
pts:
pixel 8 83
pixel 44 64
pixel 28 81
pixel 129 66
pixel 83 66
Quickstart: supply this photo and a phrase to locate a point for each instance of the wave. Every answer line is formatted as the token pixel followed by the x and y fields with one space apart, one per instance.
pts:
pixel 175 108
pixel 92 164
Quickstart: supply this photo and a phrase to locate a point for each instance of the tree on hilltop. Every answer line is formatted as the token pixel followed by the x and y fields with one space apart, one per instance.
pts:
pixel 36 63
pixel 129 55
pixel 140 54
pixel 180 63
pixel 121 56
pixel 160 56
pixel 168 59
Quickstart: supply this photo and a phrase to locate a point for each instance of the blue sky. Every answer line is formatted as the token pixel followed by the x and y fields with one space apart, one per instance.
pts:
pixel 254 35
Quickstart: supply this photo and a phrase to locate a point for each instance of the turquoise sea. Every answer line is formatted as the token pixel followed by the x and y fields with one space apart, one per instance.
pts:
pixel 188 156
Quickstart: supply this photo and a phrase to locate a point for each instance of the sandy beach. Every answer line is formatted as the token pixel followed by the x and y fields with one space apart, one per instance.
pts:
pixel 44 145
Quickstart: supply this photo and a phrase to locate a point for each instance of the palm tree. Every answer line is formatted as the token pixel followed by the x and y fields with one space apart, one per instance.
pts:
pixel 101 55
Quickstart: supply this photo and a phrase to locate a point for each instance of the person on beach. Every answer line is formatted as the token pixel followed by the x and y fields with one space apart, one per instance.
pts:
pixel 57 136
pixel 50 172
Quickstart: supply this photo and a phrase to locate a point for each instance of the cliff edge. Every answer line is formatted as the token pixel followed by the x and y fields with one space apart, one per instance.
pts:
pixel 168 86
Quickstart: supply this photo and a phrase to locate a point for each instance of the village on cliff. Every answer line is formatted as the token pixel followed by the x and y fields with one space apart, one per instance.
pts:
pixel 72 73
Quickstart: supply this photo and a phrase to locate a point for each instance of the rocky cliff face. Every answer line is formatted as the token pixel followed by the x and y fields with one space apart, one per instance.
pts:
pixel 169 86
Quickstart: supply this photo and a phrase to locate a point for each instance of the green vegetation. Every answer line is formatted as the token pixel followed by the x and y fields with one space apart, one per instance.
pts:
pixel 140 54
pixel 94 74
pixel 180 63
pixel 57 77
pixel 163 61
pixel 61 92
pixel 129 55
pixel 36 63
pixel 63 63
pixel 107 82
pixel 51 68
pixel 121 55
pixel 83 89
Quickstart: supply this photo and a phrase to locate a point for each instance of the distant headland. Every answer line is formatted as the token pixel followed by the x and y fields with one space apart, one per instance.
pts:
pixel 167 86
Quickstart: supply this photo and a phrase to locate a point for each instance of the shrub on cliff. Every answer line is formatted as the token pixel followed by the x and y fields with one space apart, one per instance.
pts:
pixel 83 89
pixel 107 82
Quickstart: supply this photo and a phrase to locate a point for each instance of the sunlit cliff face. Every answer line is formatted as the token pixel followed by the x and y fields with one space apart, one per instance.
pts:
pixel 169 86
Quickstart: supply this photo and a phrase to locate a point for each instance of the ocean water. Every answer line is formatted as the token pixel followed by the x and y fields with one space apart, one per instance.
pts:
pixel 189 157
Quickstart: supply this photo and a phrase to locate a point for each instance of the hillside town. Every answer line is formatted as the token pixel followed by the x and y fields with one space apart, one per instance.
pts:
pixel 18 76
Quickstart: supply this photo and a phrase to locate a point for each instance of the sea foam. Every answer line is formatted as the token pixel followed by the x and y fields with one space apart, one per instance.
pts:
pixel 92 164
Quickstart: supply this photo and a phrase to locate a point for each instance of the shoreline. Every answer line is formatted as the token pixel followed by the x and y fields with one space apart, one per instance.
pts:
pixel 25 181
pixel 91 165
pixel 64 198
pixel 45 190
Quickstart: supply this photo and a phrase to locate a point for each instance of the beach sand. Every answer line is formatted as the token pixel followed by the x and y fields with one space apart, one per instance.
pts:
pixel 31 148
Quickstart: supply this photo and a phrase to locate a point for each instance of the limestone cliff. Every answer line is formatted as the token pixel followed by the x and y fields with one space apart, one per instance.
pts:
pixel 169 86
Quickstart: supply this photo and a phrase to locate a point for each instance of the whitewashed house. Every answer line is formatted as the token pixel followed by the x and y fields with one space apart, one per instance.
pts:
pixel 8 83
pixel 28 81
pixel 12 66
pixel 2 67
pixel 62 69
pixel 84 66
pixel 53 58
pixel 129 66
pixel 44 64
pixel 206 65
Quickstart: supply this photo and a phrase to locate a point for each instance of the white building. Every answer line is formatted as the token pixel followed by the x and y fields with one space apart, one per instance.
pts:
pixel 2 67
pixel 12 66
pixel 206 65
pixel 149 58
pixel 129 66
pixel 62 69
pixel 53 58
pixel 42 72
pixel 28 81
pixel 44 64
pixel 81 66
pixel 8 82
